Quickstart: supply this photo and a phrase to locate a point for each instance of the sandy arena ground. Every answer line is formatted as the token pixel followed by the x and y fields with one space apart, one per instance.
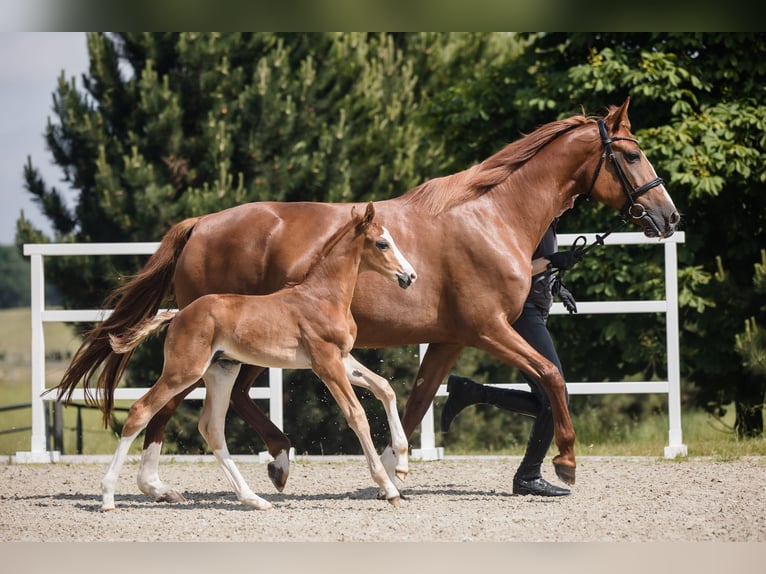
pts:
pixel 456 499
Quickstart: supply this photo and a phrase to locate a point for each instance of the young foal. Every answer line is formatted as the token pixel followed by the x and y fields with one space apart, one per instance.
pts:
pixel 305 325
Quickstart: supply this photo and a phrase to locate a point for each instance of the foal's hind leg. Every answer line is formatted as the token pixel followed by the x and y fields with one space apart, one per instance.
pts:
pixel 140 413
pixel 394 457
pixel 219 381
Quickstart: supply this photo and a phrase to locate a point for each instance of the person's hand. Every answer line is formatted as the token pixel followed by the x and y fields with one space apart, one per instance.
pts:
pixel 567 299
pixel 564 259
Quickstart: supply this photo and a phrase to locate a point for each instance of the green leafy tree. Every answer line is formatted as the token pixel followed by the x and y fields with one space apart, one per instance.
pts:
pixel 165 126
pixel 698 106
pixel 14 278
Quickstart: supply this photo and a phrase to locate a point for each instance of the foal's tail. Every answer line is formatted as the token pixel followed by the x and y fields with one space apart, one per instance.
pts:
pixel 133 302
pixel 126 342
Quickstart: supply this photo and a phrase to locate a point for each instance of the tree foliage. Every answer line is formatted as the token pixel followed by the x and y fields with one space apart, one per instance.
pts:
pixel 171 125
pixel 14 278
pixel 166 126
pixel 698 106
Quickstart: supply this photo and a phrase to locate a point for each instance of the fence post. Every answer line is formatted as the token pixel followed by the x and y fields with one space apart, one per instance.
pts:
pixel 38 452
pixel 675 442
pixel 58 427
pixel 428 449
pixel 275 397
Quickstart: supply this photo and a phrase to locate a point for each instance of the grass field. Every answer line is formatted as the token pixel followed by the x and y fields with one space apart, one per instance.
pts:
pixel 15 354
pixel 701 433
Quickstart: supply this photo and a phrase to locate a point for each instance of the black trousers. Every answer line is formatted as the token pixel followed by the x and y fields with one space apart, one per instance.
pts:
pixel 532 325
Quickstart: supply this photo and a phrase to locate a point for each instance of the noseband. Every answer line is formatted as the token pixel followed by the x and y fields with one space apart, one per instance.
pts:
pixel 630 208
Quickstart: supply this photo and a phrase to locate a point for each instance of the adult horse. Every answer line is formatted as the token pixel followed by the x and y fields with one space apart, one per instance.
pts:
pixel 471 236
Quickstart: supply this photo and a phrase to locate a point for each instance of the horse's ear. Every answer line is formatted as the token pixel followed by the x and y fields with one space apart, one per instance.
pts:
pixel 369 213
pixel 620 117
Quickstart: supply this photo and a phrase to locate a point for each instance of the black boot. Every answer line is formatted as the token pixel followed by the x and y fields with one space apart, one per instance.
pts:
pixel 463 392
pixel 537 486
pixel 528 479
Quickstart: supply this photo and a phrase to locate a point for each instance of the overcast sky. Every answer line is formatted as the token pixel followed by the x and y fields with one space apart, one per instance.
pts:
pixel 30 64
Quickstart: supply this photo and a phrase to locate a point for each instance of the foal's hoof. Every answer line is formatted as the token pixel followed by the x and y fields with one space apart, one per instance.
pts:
pixel 171 496
pixel 279 470
pixel 396 501
pixel 257 503
pixel 565 473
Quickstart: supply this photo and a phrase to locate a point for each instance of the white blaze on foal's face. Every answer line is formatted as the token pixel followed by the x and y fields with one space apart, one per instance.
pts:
pixel 405 275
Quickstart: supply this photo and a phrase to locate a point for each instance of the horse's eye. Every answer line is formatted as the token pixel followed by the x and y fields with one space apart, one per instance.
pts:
pixel 632 156
pixel 382 245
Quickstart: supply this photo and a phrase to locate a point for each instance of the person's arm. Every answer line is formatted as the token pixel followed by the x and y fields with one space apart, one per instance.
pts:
pixel 539 265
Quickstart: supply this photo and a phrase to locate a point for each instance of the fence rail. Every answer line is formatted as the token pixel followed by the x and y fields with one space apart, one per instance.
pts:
pixel 428 450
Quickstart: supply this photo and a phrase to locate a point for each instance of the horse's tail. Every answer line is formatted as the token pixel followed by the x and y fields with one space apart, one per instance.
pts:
pixel 126 342
pixel 132 302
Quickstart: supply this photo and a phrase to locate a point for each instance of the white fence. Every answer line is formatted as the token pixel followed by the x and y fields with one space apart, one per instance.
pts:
pixel 428 449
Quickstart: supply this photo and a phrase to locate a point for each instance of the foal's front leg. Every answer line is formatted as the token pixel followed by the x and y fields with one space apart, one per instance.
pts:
pixel 331 370
pixel 219 380
pixel 394 457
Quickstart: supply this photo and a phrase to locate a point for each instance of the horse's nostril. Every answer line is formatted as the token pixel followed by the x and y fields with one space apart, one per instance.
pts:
pixel 675 217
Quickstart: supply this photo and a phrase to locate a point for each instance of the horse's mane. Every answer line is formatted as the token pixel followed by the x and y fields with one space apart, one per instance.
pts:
pixel 442 193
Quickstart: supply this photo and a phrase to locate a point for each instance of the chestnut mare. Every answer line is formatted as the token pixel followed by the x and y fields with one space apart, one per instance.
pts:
pixel 471 235
pixel 308 325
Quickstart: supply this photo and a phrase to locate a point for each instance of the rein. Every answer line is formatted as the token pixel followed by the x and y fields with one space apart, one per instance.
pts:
pixel 630 209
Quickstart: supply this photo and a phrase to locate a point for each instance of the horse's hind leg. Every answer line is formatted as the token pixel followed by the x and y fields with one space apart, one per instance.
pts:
pixel 276 441
pixel 148 479
pixel 394 457
pixel 219 381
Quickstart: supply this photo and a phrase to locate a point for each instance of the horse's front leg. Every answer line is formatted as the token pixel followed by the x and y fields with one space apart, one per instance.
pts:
pixel 148 479
pixel 436 363
pixel 394 457
pixel 502 341
pixel 219 381
pixel 276 441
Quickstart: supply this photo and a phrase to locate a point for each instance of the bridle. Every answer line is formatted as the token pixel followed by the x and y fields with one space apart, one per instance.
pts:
pixel 630 209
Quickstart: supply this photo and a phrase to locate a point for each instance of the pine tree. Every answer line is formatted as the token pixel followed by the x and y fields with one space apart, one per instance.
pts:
pixel 167 126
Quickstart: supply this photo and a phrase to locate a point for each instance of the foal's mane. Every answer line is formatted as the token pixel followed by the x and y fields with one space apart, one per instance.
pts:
pixel 442 193
pixel 329 245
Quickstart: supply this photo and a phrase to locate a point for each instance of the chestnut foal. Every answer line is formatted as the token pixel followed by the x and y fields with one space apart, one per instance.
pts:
pixel 305 325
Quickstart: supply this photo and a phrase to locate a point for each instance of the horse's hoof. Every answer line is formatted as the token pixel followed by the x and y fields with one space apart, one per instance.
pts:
pixel 279 470
pixel 565 473
pixel 171 496
pixel 107 509
pixel 395 501
pixel 401 475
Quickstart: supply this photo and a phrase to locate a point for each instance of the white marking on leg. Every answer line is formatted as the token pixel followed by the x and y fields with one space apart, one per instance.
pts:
pixel 394 458
pixel 109 482
pixel 148 478
pixel 219 381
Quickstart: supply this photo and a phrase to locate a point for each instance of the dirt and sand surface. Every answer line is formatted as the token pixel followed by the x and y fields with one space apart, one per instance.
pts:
pixel 454 499
pixel 627 515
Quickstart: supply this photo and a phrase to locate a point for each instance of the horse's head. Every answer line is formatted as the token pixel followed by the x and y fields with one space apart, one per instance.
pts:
pixel 380 252
pixel 625 180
